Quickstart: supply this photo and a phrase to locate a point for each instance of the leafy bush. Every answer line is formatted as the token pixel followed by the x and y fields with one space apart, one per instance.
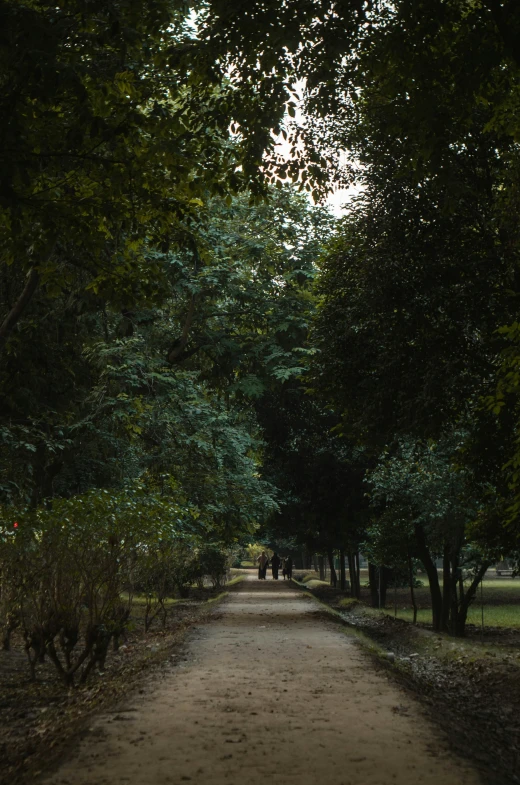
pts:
pixel 213 562
pixel 67 567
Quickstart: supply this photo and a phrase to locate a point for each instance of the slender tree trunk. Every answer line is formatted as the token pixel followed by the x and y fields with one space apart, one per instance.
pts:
pixel 342 576
pixel 454 604
pixel 20 305
pixel 412 592
pixel 468 599
pixel 373 578
pixel 333 576
pixel 321 565
pixel 352 573
pixel 505 27
pixel 446 588
pixel 357 575
pixel 386 574
pixel 177 350
pixel 433 578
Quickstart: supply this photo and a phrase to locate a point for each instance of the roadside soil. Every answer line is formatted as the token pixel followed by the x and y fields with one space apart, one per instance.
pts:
pixel 270 687
pixel 38 719
pixel 471 687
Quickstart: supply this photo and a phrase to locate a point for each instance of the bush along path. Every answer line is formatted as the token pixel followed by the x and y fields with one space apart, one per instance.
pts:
pixel 471 688
pixel 39 719
pixel 269 688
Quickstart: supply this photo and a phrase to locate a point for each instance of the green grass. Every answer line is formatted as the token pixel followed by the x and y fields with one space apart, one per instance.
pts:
pixel 140 599
pixel 309 577
pixel 501 602
pixel 312 581
pixel 234 581
pixel 348 602
pixel 503 584
pixel 494 615
pixel 218 598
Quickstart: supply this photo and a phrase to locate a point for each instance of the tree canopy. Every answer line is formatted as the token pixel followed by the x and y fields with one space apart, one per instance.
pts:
pixel 176 317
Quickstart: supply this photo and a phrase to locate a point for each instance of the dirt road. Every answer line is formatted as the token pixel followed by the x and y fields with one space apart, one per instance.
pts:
pixel 269 690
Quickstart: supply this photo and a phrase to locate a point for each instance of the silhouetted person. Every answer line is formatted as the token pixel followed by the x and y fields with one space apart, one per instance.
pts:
pixel 288 567
pixel 275 565
pixel 263 564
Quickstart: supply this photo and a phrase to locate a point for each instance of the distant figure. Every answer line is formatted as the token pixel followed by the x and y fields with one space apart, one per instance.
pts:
pixel 284 571
pixel 263 564
pixel 275 565
pixel 288 567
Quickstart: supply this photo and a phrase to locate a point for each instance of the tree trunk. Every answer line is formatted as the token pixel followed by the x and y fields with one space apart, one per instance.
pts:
pixel 386 575
pixel 321 565
pixel 180 344
pixel 20 305
pixel 342 576
pixel 373 577
pixel 352 573
pixel 412 592
pixel 433 578
pixel 454 598
pixel 333 576
pixel 505 26
pixel 357 575
pixel 446 589
pixel 468 599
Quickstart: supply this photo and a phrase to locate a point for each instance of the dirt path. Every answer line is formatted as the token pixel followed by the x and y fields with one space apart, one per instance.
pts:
pixel 268 690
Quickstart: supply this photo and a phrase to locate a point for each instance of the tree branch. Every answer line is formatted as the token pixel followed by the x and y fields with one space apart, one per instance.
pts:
pixel 187 354
pixel 20 305
pixel 181 342
pixel 507 33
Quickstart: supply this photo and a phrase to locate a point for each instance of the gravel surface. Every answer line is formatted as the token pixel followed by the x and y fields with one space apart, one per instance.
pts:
pixel 270 688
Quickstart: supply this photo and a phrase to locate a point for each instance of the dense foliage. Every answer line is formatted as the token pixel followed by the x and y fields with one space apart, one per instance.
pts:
pixel 171 328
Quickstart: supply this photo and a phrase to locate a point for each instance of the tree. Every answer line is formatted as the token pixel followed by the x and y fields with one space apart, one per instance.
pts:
pixel 68 563
pixel 114 133
pixel 428 504
pixel 413 292
pixel 319 476
pixel 88 401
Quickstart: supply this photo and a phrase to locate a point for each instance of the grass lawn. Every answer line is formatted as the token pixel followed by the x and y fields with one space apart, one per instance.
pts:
pixel 140 599
pixel 494 615
pixel 501 598
pixel 311 583
pixel 233 581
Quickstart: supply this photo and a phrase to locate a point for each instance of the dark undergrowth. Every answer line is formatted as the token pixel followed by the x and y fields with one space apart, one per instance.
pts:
pixel 39 719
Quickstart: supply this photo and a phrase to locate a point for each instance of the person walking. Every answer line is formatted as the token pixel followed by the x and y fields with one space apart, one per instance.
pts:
pixel 275 565
pixel 263 563
pixel 288 567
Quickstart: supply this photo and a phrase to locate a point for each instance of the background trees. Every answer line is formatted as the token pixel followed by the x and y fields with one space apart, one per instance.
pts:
pixel 157 290
pixel 419 290
pixel 111 423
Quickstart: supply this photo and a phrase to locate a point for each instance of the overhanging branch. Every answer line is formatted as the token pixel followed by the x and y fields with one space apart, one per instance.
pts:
pixel 20 305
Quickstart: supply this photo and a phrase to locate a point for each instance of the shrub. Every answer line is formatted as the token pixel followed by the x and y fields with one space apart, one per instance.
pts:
pixel 213 562
pixel 65 568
